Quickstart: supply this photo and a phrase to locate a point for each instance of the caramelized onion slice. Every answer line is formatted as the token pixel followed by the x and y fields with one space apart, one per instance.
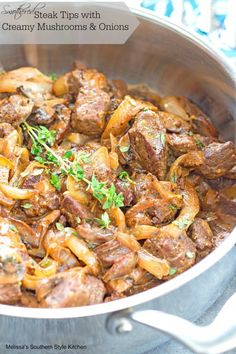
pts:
pixel 127 110
pixel 17 193
pixel 189 160
pixel 128 241
pixel 119 218
pixel 26 77
pixel 81 250
pixel 187 214
pixel 142 232
pixel 154 265
pixel 6 162
pixel 171 104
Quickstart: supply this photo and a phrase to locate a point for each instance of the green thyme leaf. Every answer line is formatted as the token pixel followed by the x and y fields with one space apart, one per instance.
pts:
pixel 13 228
pixel 162 137
pixel 36 149
pixel 173 207
pixel 199 144
pixel 59 226
pixel 97 188
pixel 27 205
pixel 104 221
pixel 53 76
pixel 55 181
pixel 124 148
pixel 67 154
pixel 45 135
pixel 190 133
pixel 41 160
pixel 173 178
pixel 172 271
pixel 50 158
pixel 183 223
pixel 124 176
pixel 84 157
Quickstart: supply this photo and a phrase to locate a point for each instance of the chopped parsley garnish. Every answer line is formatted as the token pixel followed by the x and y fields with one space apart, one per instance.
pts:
pixel 104 221
pixel 182 223
pixel 124 148
pixel 27 205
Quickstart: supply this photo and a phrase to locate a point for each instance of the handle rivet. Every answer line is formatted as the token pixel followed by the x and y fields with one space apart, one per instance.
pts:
pixel 124 326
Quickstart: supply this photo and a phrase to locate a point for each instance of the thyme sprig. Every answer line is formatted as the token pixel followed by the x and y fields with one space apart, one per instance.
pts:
pixel 44 138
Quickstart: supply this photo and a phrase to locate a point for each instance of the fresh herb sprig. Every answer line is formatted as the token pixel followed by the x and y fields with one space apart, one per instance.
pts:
pixel 44 138
pixel 104 222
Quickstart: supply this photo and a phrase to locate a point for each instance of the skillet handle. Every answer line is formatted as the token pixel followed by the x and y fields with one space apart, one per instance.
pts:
pixel 216 338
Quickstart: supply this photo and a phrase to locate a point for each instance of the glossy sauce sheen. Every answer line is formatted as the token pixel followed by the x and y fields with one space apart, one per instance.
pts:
pixel 106 189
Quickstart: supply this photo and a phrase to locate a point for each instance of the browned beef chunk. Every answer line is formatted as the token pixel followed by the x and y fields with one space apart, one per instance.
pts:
pixel 83 77
pixel 143 92
pixel 61 122
pixel 143 186
pixel 182 143
pixel 201 123
pixel 72 209
pixel 69 289
pixel 232 173
pixel 148 139
pixel 126 190
pixel 57 117
pixel 90 111
pixel 150 211
pixel 174 123
pixel 46 200
pixel 219 159
pixel 109 252
pixel 15 109
pixel 180 252
pixel 221 227
pixel 226 205
pixel 122 267
pixel 114 296
pixel 10 294
pixel 119 88
pixel 42 115
pixel 202 236
pixel 221 183
pixel 95 234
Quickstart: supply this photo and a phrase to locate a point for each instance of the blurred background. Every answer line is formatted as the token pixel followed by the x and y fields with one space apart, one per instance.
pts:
pixel 214 20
